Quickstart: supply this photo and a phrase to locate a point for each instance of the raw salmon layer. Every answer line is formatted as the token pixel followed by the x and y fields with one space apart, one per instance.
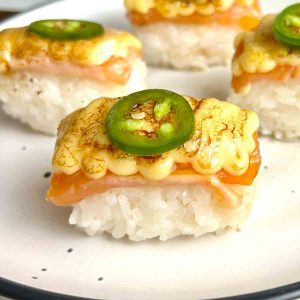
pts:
pixel 71 189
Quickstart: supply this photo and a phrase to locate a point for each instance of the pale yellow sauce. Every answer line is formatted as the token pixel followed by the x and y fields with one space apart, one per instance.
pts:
pixel 223 139
pixel 172 8
pixel 17 44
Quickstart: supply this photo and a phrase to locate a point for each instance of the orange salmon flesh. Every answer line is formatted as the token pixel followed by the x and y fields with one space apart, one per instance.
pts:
pixel 115 69
pixel 279 73
pixel 71 189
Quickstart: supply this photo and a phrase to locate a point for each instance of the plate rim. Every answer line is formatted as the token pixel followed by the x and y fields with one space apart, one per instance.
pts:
pixel 17 290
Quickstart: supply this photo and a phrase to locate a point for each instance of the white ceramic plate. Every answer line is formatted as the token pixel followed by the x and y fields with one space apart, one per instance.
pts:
pixel 35 236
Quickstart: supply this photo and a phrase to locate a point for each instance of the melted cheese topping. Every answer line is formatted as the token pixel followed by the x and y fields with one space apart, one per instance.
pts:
pixel 20 44
pixel 260 52
pixel 172 8
pixel 223 139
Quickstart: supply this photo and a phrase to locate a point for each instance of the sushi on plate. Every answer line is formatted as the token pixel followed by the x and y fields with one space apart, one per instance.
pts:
pixel 266 73
pixel 52 67
pixel 156 164
pixel 189 34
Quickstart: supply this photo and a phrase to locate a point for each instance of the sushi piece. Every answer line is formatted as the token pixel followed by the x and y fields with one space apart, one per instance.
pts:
pixel 52 67
pixel 189 34
pixel 266 73
pixel 156 164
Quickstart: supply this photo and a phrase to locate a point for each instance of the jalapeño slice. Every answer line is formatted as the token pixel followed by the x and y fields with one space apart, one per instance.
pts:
pixel 150 122
pixel 66 29
pixel 286 26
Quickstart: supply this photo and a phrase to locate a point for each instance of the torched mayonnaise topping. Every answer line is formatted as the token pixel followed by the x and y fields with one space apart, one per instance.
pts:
pixel 261 52
pixel 172 8
pixel 223 139
pixel 22 45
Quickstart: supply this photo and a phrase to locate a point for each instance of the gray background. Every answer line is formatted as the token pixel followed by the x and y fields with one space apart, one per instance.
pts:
pixel 18 5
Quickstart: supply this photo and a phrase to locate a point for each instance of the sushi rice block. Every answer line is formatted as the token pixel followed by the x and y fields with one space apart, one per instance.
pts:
pixel 52 67
pixel 188 34
pixel 266 78
pixel 155 164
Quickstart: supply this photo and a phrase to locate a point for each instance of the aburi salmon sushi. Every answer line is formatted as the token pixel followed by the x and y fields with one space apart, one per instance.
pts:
pixel 188 34
pixel 266 73
pixel 52 67
pixel 155 164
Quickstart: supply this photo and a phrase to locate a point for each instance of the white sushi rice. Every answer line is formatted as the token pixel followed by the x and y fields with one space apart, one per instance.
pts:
pixel 164 212
pixel 42 100
pixel 277 105
pixel 186 46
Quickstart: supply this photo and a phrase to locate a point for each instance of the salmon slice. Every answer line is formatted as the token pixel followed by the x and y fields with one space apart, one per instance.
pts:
pixel 279 73
pixel 67 190
pixel 246 17
pixel 115 69
pixel 71 189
